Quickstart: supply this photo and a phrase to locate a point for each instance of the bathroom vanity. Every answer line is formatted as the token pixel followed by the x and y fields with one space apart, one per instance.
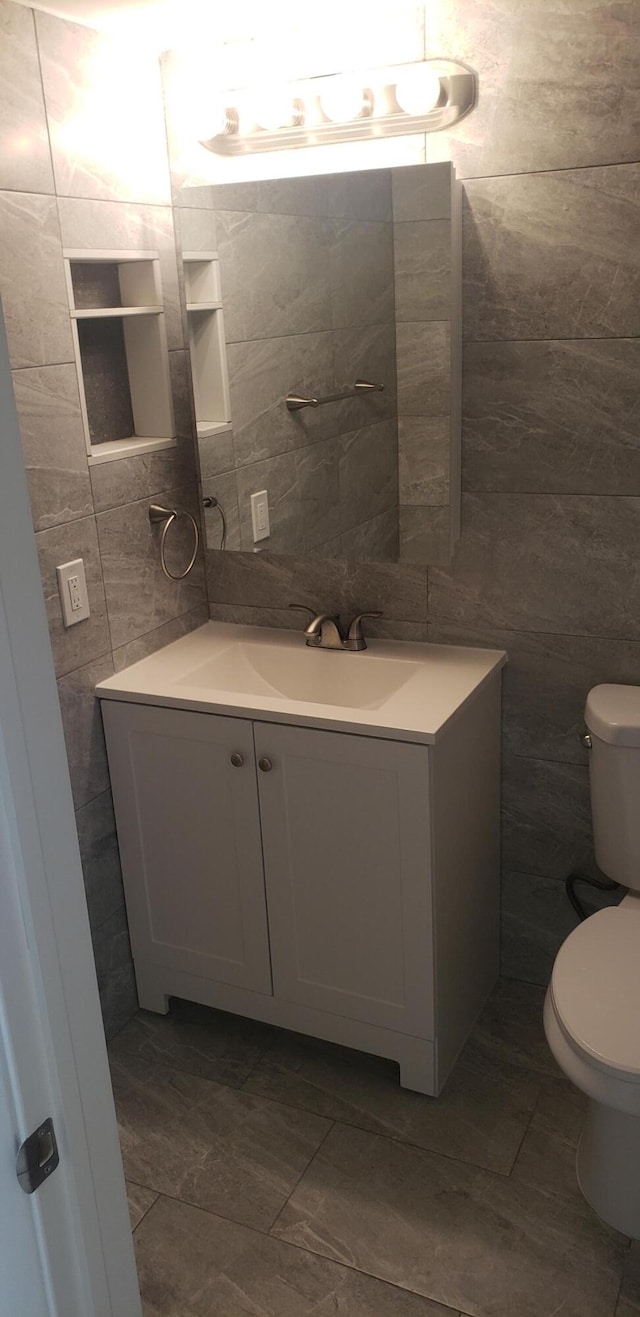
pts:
pixel 310 838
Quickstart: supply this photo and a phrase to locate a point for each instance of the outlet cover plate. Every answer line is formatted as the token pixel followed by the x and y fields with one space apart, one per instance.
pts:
pixel 72 588
pixel 260 515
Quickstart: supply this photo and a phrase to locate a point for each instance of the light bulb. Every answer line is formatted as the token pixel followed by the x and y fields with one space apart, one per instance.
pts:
pixel 222 123
pixel 418 90
pixel 273 110
pixel 344 99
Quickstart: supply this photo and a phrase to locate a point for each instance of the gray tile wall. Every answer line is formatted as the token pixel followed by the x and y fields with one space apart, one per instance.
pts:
pixel 546 566
pixel 307 273
pixel 424 297
pixel 76 127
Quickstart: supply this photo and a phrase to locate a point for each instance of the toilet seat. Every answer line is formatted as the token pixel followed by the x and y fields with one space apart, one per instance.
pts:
pixel 595 991
pixel 592 1024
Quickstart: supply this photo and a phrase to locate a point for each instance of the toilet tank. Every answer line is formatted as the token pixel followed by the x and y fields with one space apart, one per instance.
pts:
pixel 612 715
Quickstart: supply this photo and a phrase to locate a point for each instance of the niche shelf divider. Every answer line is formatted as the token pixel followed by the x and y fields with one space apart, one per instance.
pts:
pixel 121 287
pixel 207 345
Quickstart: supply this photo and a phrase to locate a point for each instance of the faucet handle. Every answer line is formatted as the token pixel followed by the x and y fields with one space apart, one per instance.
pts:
pixel 355 627
pixel 355 637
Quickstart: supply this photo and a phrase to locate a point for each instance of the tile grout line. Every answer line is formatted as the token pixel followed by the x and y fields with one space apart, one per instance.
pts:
pixel 92 799
pixel 89 516
pixel 98 927
pixel 528 1126
pixel 625 1268
pixel 197 1207
pixel 268 1046
pixel 45 109
pixel 450 623
pixel 314 443
pixel 542 493
pixel 558 169
pixel 558 338
pixel 395 1138
pixel 98 658
pixel 286 1243
pixel 42 365
pixel 108 201
pixel 350 1266
pixel 136 640
pixel 145 1213
pixel 544 759
pixel 299 1179
pixel 331 329
pixel 341 1120
pixel 183 486
pixel 314 1252
pixel 619 1295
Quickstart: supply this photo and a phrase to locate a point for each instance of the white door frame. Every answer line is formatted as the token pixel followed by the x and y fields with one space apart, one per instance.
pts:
pixel 59 1065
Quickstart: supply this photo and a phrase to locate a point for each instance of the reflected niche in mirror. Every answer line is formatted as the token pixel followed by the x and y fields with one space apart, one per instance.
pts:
pixel 302 294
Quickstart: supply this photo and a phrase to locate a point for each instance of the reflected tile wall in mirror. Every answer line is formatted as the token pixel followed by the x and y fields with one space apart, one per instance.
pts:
pixel 324 281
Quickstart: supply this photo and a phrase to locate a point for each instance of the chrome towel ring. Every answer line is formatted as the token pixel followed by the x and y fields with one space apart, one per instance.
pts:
pixel 166 516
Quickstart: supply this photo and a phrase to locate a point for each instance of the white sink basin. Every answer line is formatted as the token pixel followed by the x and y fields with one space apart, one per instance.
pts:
pixel 314 676
pixel 253 672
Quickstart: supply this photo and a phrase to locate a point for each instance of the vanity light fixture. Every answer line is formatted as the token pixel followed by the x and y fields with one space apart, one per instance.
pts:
pixel 425 97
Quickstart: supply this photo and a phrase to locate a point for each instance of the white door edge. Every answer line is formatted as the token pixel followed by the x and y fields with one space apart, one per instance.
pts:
pixel 86 1234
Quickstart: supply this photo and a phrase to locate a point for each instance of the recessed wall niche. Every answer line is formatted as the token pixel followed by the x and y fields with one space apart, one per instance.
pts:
pixel 207 343
pixel 120 342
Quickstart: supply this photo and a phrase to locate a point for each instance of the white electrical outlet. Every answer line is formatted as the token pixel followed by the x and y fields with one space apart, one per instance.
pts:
pixel 72 588
pixel 260 515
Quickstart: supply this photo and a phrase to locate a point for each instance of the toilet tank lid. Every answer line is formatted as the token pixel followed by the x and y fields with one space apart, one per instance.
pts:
pixel 613 714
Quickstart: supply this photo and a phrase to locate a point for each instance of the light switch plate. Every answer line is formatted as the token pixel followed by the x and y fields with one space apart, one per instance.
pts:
pixel 260 515
pixel 72 588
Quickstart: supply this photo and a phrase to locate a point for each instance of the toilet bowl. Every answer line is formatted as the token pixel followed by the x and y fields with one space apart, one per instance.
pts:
pixel 592 1005
pixel 592 1023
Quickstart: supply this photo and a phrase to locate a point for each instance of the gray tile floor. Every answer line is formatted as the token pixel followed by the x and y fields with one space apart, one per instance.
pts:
pixel 273 1176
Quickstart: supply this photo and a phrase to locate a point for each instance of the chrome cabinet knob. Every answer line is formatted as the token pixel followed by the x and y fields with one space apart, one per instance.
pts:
pixel 237 760
pixel 265 765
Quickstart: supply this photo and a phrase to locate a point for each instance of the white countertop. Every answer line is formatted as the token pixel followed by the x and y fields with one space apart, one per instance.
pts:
pixel 220 668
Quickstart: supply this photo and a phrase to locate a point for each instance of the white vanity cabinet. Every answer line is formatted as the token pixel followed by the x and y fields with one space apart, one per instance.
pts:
pixel 335 882
pixel 189 835
pixel 345 835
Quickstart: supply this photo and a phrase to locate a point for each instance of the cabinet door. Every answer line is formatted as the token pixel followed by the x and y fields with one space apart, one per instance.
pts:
pixel 345 826
pixel 189 834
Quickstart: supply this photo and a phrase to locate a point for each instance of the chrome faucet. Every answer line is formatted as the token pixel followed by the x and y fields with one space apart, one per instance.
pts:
pixel 323 631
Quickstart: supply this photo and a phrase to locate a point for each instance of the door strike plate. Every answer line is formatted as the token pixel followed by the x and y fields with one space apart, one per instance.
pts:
pixel 37 1157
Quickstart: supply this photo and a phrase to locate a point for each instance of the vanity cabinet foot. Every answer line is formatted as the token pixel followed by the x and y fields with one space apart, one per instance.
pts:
pixel 417 1066
pixel 150 987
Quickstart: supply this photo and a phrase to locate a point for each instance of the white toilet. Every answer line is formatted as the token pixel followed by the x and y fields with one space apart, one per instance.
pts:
pixel 592 1006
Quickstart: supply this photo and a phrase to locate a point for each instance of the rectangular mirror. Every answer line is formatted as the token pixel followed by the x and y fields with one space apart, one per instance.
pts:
pixel 324 332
